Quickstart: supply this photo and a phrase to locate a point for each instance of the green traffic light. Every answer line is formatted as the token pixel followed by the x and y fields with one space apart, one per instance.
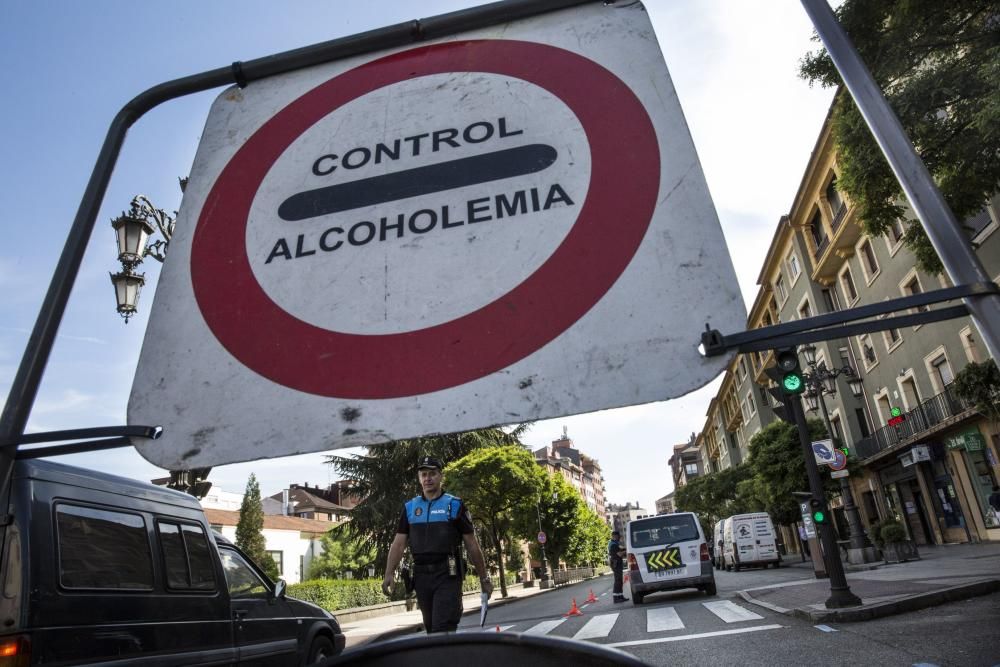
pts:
pixel 792 383
pixel 819 517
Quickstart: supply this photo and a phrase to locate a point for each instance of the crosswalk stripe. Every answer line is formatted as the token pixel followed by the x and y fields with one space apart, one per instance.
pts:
pixel 700 635
pixel 660 619
pixel 544 627
pixel 729 612
pixel 598 626
pixel 488 628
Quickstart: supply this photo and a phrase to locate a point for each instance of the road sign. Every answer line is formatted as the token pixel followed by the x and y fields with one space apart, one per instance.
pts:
pixel 839 460
pixel 824 450
pixel 542 539
pixel 483 229
pixel 837 474
pixel 807 521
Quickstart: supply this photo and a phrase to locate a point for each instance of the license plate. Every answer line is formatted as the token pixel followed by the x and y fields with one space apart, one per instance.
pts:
pixel 663 574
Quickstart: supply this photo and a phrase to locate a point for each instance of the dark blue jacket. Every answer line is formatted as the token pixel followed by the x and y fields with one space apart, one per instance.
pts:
pixel 434 529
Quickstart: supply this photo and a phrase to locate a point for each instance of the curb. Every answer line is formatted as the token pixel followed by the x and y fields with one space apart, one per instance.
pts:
pixel 882 609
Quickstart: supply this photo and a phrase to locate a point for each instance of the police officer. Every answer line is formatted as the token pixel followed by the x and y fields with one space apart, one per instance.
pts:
pixel 616 559
pixel 436 523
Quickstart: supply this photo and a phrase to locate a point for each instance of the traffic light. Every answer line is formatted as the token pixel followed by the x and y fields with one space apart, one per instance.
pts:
pixel 818 512
pixel 792 382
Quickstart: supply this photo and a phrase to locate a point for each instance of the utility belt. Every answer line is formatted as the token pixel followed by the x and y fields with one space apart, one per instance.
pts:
pixel 450 564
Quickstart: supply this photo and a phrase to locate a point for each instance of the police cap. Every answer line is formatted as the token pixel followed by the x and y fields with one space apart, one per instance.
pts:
pixel 428 462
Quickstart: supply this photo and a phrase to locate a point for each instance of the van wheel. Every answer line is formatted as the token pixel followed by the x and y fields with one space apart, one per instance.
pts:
pixel 320 650
pixel 636 599
pixel 710 589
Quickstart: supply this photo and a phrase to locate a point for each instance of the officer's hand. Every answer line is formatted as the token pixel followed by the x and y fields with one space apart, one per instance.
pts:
pixel 487 587
pixel 387 585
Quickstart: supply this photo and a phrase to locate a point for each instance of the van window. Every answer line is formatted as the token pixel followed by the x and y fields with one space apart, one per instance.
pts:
pixel 243 581
pixel 186 557
pixel 666 529
pixel 102 549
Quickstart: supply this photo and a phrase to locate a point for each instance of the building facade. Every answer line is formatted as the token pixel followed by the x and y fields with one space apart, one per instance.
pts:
pixel 581 471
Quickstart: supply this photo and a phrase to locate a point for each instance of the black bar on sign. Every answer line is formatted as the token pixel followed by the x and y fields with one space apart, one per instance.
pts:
pixel 418 181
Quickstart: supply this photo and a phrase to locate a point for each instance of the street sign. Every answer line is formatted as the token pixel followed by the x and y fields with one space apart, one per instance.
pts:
pixel 807 521
pixel 542 539
pixel 823 450
pixel 839 460
pixel 507 225
pixel 837 474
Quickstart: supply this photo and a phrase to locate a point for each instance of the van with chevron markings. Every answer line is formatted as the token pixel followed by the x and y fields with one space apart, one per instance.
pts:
pixel 667 552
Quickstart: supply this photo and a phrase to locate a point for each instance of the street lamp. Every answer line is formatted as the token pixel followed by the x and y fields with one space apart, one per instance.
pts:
pixel 820 381
pixel 541 545
pixel 132 232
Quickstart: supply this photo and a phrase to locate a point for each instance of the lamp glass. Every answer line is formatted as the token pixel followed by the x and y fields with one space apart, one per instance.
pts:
pixel 856 386
pixel 830 384
pixel 132 235
pixel 812 402
pixel 810 353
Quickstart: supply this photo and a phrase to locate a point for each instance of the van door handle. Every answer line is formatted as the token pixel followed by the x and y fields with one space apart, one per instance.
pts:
pixel 240 614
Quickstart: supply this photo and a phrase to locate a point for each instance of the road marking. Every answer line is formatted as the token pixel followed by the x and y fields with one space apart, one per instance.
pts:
pixel 661 619
pixel 544 627
pixel 824 628
pixel 598 626
pixel 700 635
pixel 488 628
pixel 729 612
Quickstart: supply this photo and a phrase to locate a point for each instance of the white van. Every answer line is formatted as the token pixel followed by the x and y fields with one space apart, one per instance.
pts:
pixel 749 539
pixel 666 552
pixel 717 543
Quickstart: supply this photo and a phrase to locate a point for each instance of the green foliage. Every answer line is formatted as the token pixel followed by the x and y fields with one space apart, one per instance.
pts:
pixel 939 66
pixel 341 554
pixel 498 485
pixel 249 535
pixel 385 477
pixel 470 584
pixel 717 495
pixel 589 542
pixel 337 594
pixel 776 460
pixel 891 531
pixel 558 510
pixel 979 384
pixel 270 567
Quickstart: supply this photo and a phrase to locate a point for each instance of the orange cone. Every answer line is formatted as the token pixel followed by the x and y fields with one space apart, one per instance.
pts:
pixel 498 628
pixel 573 610
pixel 625 578
pixel 591 598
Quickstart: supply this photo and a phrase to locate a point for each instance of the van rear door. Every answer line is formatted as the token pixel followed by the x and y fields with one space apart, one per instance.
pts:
pixel 666 546
pixel 744 542
pixel 767 548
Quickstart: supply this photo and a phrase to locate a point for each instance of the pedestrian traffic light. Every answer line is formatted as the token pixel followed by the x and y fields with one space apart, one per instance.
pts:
pixel 792 382
pixel 818 511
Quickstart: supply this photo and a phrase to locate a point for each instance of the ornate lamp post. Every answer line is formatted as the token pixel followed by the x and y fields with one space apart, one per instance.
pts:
pixel 821 381
pixel 132 231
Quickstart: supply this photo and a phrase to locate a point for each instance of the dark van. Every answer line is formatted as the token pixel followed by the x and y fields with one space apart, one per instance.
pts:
pixel 103 569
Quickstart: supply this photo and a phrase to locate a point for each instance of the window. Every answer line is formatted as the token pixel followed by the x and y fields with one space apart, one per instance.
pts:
pixel 868 262
pixel 837 207
pixel 830 300
pixel 751 407
pixel 779 288
pixel 805 310
pixel 910 286
pixel 279 560
pixel 896 231
pixel 241 579
pixel 908 388
pixel 102 549
pixel 981 225
pixel 838 433
pixel 884 406
pixel 818 233
pixel 892 339
pixel 793 266
pixel 847 284
pixel 186 557
pixel 691 469
pixel 663 529
pixel 859 413
pixel 868 355
pixel 743 368
pixel 938 369
pixel 969 345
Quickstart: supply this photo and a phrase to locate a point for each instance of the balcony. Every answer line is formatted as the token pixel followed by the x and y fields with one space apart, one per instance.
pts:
pixel 838 217
pixel 944 408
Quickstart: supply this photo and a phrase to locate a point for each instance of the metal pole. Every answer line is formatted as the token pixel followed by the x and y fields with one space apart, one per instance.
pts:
pixel 541 545
pixel 944 231
pixel 853 517
pixel 840 592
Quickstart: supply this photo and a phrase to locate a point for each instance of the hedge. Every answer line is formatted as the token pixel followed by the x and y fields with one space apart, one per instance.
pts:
pixel 336 594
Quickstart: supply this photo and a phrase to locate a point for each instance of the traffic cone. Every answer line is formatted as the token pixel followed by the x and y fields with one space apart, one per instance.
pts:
pixel 591 598
pixel 498 628
pixel 625 578
pixel 573 610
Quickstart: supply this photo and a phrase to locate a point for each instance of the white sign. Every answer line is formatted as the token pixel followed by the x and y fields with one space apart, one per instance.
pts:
pixel 507 225
pixel 824 452
pixel 837 474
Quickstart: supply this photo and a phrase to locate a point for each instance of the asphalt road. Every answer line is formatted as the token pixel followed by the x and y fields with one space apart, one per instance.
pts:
pixel 689 628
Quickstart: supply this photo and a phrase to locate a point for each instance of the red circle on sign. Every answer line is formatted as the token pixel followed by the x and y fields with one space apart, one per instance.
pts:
pixel 839 460
pixel 613 219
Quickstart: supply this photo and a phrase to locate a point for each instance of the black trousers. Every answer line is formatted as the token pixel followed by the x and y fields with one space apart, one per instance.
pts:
pixel 440 600
pixel 617 590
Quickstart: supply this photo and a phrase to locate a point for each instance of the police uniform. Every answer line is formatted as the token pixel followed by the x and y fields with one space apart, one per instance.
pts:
pixel 435 529
pixel 617 564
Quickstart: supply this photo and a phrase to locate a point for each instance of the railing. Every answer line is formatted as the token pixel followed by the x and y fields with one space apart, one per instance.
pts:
pixel 821 245
pixel 561 577
pixel 839 216
pixel 924 417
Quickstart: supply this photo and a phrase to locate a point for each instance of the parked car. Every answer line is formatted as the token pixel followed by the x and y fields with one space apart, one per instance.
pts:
pixel 98 568
pixel 667 552
pixel 749 539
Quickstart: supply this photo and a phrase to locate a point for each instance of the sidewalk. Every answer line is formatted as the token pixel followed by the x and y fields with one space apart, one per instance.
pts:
pixel 944 574
pixel 368 630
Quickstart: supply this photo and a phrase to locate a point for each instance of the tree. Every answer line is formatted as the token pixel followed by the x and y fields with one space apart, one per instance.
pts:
pixel 714 496
pixel 558 507
pixel 385 478
pixel 938 64
pixel 341 553
pixel 776 460
pixel 979 384
pixel 250 527
pixel 498 485
pixel 588 543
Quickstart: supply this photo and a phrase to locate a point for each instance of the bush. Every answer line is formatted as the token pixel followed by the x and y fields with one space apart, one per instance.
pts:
pixel 471 582
pixel 892 531
pixel 335 594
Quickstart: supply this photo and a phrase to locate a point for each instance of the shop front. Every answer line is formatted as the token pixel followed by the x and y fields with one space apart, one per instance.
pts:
pixel 975 464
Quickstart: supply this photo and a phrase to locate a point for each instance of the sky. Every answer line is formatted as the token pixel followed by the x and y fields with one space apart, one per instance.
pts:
pixel 68 67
